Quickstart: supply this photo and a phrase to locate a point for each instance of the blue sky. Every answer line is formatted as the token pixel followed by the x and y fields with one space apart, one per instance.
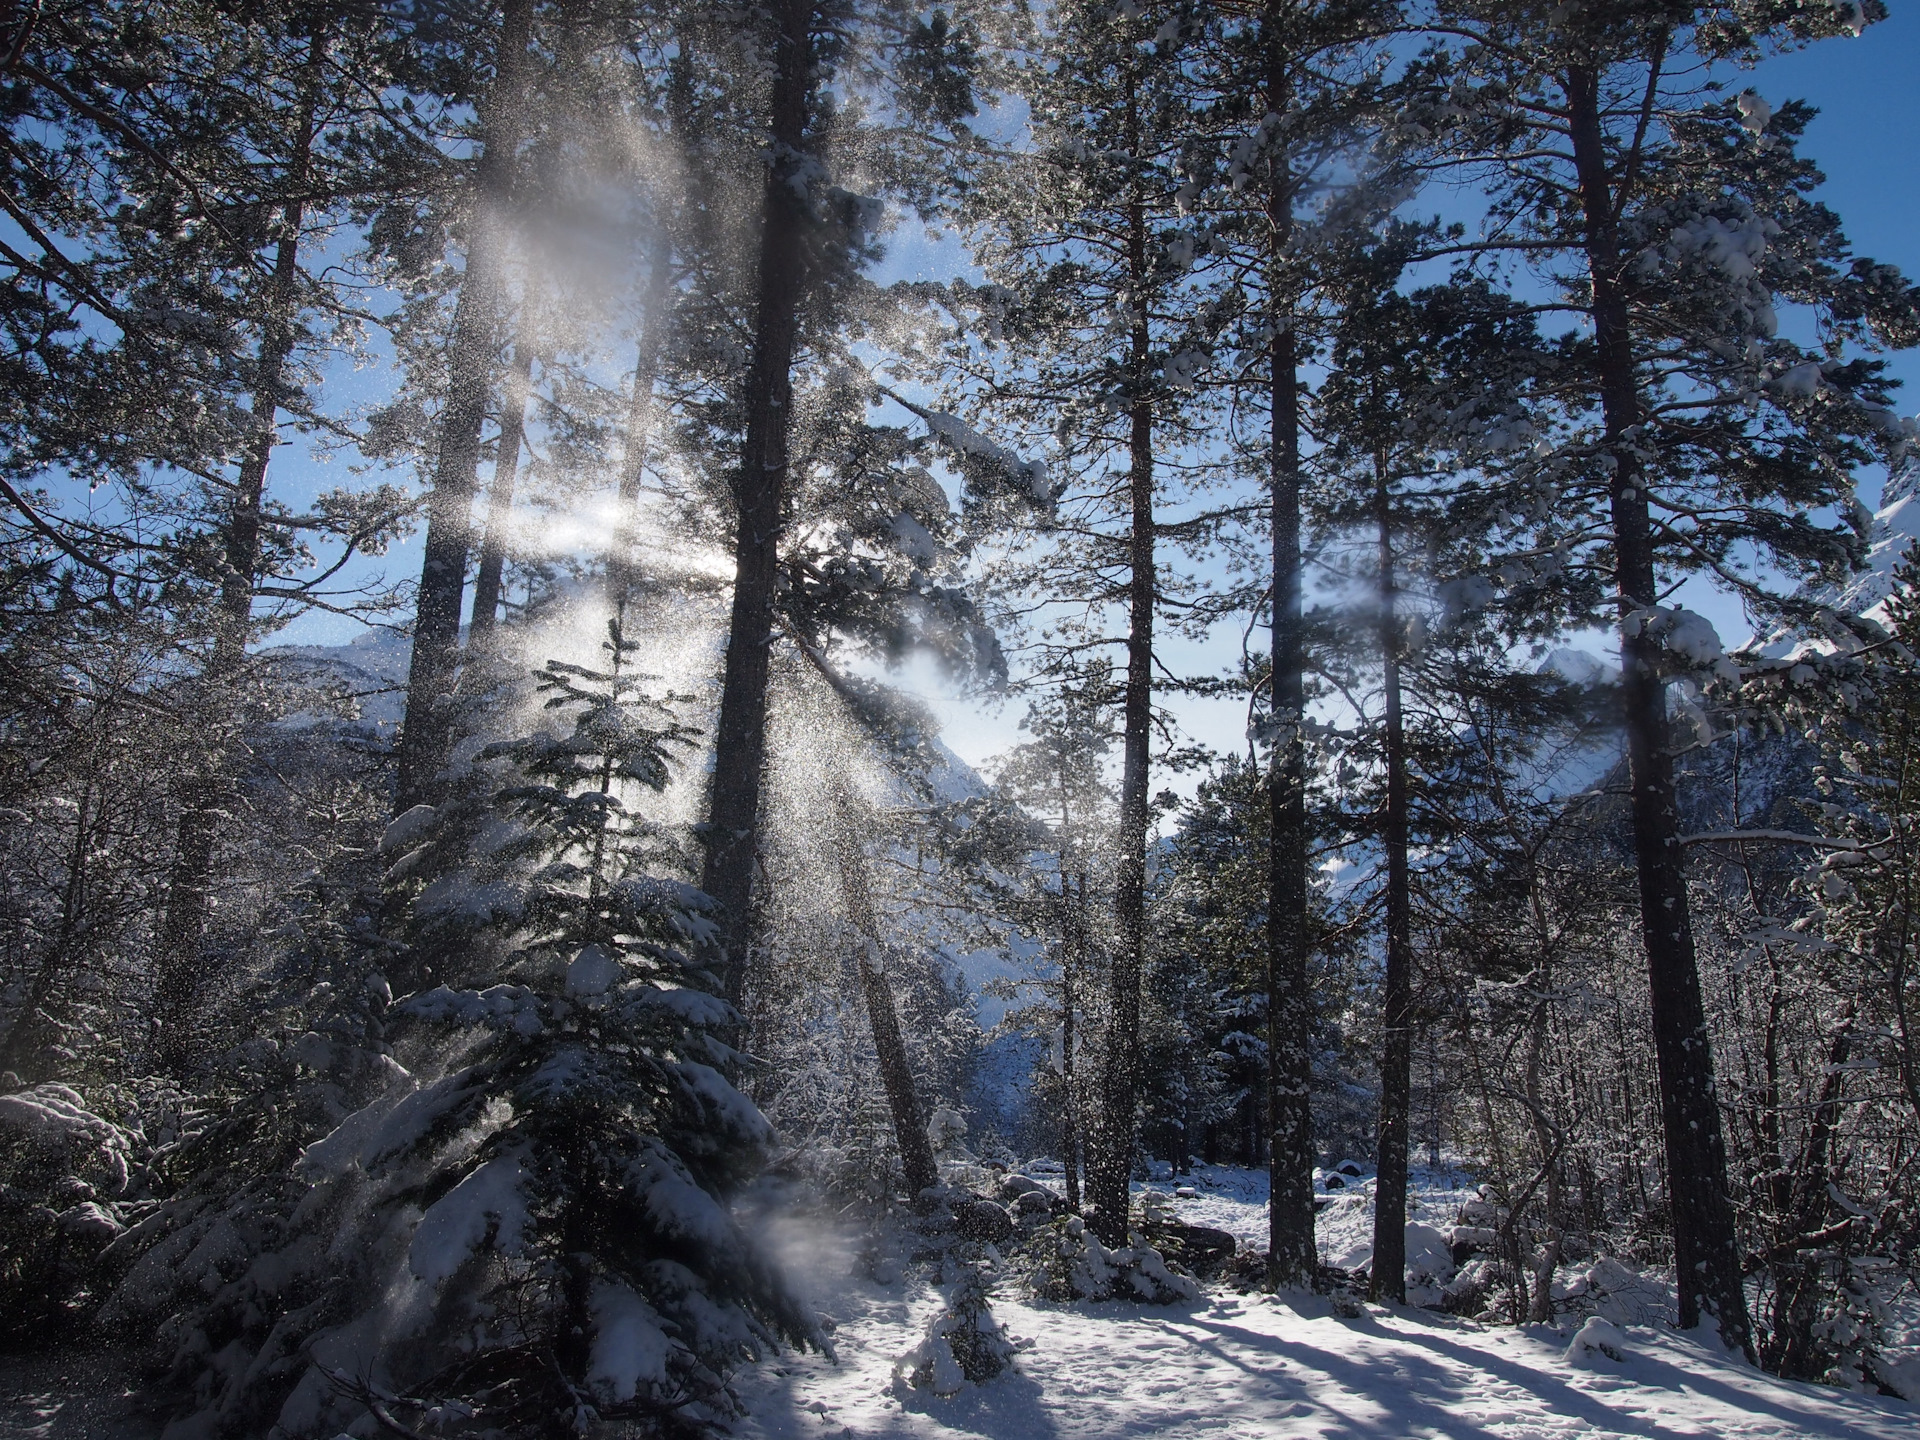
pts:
pixel 1866 139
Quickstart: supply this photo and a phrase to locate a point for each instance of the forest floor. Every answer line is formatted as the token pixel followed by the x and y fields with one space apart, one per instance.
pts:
pixel 70 1395
pixel 1231 1367
pixel 1237 1367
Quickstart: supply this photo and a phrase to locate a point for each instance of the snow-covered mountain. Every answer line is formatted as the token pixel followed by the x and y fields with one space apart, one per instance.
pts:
pixel 371 672
pixel 1895 525
pixel 371 668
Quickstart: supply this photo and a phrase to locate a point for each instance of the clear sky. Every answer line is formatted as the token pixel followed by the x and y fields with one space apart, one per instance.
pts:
pixel 1866 139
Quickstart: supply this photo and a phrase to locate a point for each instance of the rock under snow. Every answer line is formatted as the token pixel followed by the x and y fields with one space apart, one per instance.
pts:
pixel 1597 1340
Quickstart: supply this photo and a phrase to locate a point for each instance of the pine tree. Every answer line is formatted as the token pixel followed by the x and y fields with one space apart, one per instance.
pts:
pixel 490 570
pixel 1096 329
pixel 740 739
pixel 473 341
pixel 1058 776
pixel 898 731
pixel 241 145
pixel 1214 899
pixel 1422 388
pixel 1674 221
pixel 533 1232
pixel 1824 1136
pixel 813 237
pixel 256 550
pixel 1294 84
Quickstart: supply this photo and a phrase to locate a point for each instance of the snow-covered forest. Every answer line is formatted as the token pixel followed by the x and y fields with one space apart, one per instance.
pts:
pixel 498 502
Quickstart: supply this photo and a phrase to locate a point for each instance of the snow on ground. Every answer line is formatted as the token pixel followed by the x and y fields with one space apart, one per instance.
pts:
pixel 1239 1367
pixel 1234 1199
pixel 1234 1367
pixel 73 1395
pixel 1258 1367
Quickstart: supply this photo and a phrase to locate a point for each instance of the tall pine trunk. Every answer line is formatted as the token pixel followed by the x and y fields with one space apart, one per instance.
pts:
pixel 1550 1139
pixel 1706 1254
pixel 883 1016
pixel 1072 964
pixel 1388 1278
pixel 183 925
pixel 1293 1258
pixel 1073 959
pixel 622 566
pixel 506 470
pixel 623 561
pixel 1112 1169
pixel 426 735
pixel 740 739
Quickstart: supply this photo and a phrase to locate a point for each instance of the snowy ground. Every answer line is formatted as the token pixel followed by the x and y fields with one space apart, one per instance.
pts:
pixel 1253 1367
pixel 1230 1368
pixel 75 1396
pixel 1239 1367
pixel 1233 1199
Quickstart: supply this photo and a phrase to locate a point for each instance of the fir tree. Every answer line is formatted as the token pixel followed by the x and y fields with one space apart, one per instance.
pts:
pixel 534 1232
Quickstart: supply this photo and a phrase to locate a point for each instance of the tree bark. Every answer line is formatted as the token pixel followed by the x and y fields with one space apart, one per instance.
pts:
pixel 1069 1020
pixel 1293 1257
pixel 1802 1244
pixel 1551 1139
pixel 572 1336
pixel 1388 1278
pixel 1112 1169
pixel 506 467
pixel 183 925
pixel 740 739
pixel 622 564
pixel 426 734
pixel 883 1016
pixel 1706 1254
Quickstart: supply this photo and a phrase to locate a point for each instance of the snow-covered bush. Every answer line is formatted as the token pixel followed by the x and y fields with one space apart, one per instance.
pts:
pixel 62 1167
pixel 964 1344
pixel 228 1278
pixel 1072 1264
pixel 532 1231
pixel 1616 1292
